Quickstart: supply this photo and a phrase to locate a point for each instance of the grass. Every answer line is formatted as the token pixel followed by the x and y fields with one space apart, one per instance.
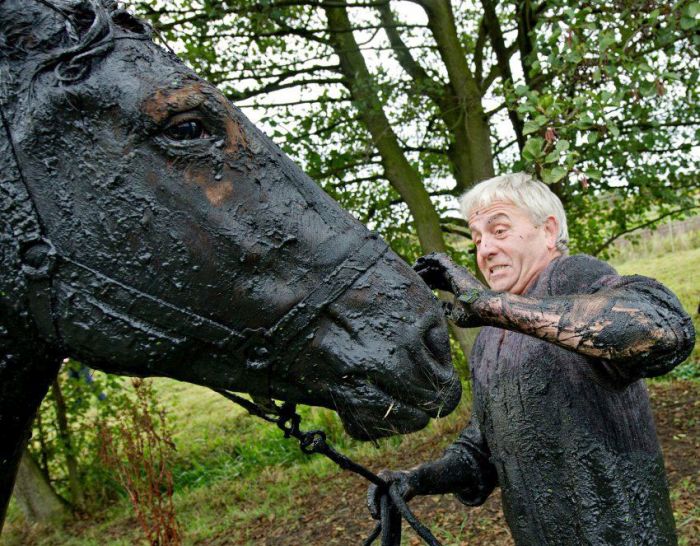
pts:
pixel 232 470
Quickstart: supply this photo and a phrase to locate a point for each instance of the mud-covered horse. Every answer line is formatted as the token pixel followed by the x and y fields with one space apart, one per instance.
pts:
pixel 148 228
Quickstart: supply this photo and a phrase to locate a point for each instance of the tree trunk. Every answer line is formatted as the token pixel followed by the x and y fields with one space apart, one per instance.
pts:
pixel 44 462
pixel 76 489
pixel 400 173
pixel 477 135
pixel 441 94
pixel 403 177
pixel 24 380
pixel 35 496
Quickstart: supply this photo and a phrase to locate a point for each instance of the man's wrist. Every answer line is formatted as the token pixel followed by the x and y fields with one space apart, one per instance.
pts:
pixel 441 476
pixel 470 296
pixel 468 307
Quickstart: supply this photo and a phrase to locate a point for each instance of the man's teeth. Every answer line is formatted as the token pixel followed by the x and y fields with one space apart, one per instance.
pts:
pixel 498 268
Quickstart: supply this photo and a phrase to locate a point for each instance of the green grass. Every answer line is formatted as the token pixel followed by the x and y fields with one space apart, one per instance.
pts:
pixel 230 470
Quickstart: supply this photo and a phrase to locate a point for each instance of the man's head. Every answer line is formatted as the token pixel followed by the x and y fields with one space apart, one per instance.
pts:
pixel 518 226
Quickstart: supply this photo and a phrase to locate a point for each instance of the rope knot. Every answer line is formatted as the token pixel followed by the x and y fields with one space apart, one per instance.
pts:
pixel 313 441
pixel 289 420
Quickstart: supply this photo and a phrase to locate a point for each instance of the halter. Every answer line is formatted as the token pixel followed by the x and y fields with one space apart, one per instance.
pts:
pixel 272 349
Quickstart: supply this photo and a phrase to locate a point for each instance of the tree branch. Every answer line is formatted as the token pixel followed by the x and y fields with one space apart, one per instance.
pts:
pixel 248 93
pixel 613 238
pixel 272 105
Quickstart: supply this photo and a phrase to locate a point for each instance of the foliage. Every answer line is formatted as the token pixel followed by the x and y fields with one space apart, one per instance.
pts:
pixel 379 103
pixel 293 497
pixel 86 397
pixel 138 447
pixel 614 113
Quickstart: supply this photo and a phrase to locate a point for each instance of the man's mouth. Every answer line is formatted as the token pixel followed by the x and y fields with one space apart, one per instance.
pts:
pixel 495 269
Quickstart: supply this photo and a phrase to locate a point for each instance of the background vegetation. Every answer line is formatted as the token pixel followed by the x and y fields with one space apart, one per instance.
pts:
pixel 395 108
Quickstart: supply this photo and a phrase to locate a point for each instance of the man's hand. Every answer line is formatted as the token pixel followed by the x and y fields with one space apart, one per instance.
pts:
pixel 402 479
pixel 441 273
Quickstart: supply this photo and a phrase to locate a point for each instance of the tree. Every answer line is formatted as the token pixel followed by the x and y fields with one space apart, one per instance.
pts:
pixel 35 496
pixel 395 117
pixel 61 463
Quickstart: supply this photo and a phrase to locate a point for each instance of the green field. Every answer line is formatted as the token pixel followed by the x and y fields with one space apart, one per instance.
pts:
pixel 232 470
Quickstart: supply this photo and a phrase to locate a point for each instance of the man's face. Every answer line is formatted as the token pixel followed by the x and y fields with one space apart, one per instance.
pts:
pixel 510 249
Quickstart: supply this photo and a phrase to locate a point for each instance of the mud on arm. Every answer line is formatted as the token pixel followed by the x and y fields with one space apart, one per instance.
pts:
pixel 633 322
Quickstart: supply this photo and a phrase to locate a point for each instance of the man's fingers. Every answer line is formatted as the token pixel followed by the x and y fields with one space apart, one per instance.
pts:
pixel 429 261
pixel 373 501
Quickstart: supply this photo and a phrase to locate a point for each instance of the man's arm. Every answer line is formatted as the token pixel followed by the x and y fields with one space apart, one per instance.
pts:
pixel 635 318
pixel 631 321
pixel 464 469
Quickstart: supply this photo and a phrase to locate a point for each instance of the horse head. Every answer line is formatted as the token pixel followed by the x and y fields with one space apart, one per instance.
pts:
pixel 150 229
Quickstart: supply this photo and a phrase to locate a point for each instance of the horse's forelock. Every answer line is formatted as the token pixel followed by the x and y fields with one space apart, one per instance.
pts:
pixel 59 35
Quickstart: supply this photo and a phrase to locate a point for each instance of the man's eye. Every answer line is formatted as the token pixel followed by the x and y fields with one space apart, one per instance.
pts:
pixel 186 130
pixel 500 231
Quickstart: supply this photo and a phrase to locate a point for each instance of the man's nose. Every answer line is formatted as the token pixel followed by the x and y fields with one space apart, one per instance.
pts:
pixel 487 249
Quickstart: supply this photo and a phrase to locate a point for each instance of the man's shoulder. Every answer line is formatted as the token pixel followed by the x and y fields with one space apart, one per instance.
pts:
pixel 577 274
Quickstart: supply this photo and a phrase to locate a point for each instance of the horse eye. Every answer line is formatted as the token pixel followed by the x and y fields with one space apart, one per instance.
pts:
pixel 191 129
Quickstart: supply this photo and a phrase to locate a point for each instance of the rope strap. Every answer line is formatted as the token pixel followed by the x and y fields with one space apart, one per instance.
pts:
pixel 392 505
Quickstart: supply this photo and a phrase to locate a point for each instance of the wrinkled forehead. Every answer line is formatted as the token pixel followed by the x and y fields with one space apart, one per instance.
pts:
pixel 482 216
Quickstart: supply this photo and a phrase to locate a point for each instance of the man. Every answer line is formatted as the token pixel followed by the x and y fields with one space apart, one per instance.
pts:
pixel 560 420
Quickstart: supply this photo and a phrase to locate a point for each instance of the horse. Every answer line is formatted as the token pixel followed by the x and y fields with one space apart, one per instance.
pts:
pixel 149 229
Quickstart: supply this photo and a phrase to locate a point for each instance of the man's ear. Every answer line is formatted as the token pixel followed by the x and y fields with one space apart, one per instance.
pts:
pixel 551 231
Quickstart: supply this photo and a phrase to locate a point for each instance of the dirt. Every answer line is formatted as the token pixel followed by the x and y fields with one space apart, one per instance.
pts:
pixel 334 511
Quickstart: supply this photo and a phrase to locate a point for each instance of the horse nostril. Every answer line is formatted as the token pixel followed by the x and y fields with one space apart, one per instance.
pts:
pixel 437 340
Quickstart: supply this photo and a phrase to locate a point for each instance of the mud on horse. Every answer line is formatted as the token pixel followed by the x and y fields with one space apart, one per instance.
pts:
pixel 148 228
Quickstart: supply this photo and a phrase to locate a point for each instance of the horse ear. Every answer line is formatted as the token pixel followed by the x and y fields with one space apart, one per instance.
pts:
pixel 129 22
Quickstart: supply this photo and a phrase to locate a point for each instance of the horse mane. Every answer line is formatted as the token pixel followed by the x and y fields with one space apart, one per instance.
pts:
pixel 64 36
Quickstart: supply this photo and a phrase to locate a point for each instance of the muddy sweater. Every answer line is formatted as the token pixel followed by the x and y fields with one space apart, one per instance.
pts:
pixel 570 438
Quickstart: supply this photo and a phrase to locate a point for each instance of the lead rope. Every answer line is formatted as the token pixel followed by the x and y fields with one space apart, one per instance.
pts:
pixel 392 506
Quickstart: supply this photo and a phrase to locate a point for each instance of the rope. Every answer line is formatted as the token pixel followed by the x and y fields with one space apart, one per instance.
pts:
pixel 392 505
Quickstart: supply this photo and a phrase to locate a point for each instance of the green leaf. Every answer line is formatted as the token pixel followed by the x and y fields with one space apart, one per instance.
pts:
pixel 647 89
pixel 688 23
pixel 606 40
pixel 551 176
pixel 562 145
pixel 530 127
pixel 552 157
pixel 595 174
pixel 533 149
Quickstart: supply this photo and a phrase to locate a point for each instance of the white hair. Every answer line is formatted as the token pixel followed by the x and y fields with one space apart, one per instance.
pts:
pixel 524 192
